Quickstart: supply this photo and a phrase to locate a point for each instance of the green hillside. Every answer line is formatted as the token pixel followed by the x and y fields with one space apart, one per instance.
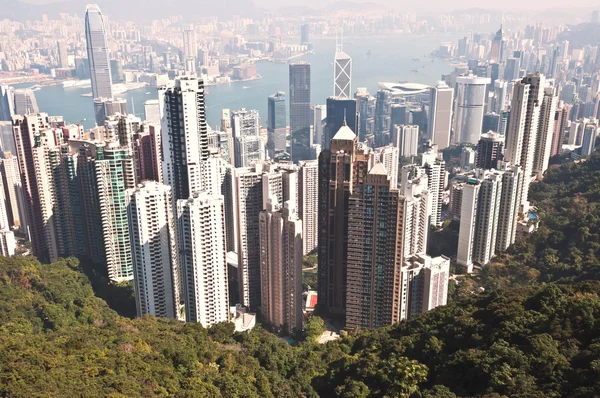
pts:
pixel 534 332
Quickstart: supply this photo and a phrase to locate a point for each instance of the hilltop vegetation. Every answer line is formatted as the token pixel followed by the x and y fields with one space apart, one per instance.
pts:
pixel 535 332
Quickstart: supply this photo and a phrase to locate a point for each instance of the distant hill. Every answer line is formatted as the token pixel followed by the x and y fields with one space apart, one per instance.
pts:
pixel 581 35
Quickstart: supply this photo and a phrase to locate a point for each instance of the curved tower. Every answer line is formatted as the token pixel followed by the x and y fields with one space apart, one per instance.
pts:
pixel 97 51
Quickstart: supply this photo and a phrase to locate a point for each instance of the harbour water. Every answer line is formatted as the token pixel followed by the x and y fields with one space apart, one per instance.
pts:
pixel 374 60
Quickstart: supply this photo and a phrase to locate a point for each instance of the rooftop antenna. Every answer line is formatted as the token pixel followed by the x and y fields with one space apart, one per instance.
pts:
pixel 344 118
pixel 132 106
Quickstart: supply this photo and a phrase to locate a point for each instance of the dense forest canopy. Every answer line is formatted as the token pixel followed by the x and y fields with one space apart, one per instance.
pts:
pixel 534 332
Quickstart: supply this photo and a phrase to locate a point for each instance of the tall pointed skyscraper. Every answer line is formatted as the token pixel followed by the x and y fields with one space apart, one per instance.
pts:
pixel 97 50
pixel 342 73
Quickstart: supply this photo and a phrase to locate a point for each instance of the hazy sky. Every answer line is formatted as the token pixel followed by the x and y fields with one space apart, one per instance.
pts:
pixel 425 6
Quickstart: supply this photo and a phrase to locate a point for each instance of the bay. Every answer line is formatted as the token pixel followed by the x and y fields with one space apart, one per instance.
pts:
pixel 390 59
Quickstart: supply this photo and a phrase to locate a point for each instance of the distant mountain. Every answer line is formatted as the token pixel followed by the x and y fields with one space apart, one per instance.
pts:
pixel 350 6
pixel 138 10
pixel 581 35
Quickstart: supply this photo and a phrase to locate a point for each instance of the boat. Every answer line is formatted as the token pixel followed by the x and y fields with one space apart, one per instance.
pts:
pixel 245 87
pixel 416 59
pixel 415 70
pixel 369 52
pixel 147 92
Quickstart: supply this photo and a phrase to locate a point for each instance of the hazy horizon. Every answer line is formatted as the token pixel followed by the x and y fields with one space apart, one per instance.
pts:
pixel 429 7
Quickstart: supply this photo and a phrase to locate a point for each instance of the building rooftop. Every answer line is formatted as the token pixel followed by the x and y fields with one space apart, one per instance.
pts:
pixel 378 169
pixel 344 133
pixel 404 88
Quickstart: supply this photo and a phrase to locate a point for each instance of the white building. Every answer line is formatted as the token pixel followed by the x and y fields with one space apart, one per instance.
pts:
pixel 389 157
pixel 512 183
pixel 249 147
pixel 545 134
pixel 308 198
pixel 469 108
pixel 423 285
pixel 486 224
pixel 152 110
pixel 203 258
pixel 435 168
pixel 320 116
pixel 523 129
pixel 342 70
pixel 468 217
pixel 13 188
pixel 406 139
pixel 217 178
pixel 8 243
pixel 154 249
pixel 440 115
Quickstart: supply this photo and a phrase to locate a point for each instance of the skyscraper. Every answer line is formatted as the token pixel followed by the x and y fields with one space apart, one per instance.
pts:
pixel 386 254
pixel 190 46
pixel 147 153
pixel 440 115
pixel 468 217
pixel 304 34
pixel 254 186
pixel 435 168
pixel 114 173
pixel 486 224
pixel 63 58
pixel 341 169
pixel 308 208
pixel 545 134
pixel 33 161
pixel 523 129
pixel 342 74
pixel 489 151
pixel 470 103
pixel 365 104
pixel 590 133
pixel 152 111
pixel 249 146
pixel 340 112
pixel 218 179
pixel 319 124
pixel 374 223
pixel 388 156
pixel 25 102
pixel 280 237
pixel 7 103
pixel 203 258
pixel 13 191
pixel 154 249
pixel 276 123
pixel 300 112
pixel 498 51
pixel 97 51
pixel 406 139
pixel 106 107
pixel 184 134
pixel 512 182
